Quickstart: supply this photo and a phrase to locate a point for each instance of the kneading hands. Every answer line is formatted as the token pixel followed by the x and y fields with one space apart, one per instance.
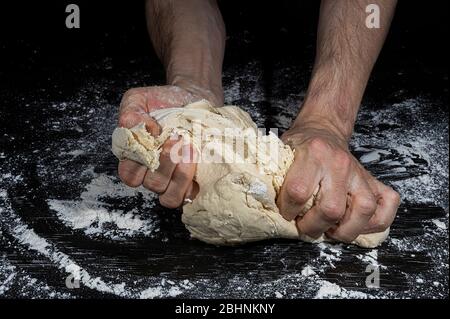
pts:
pixel 191 46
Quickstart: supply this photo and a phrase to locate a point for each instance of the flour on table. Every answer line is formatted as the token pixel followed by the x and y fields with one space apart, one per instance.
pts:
pixel 92 213
pixel 236 200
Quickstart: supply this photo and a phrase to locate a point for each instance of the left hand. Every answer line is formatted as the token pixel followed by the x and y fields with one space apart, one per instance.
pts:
pixel 172 181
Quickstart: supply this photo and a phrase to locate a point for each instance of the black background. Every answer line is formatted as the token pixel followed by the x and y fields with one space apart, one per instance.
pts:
pixel 36 44
pixel 42 63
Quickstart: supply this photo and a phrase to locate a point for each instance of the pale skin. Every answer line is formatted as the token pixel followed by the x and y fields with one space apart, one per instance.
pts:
pixel 189 38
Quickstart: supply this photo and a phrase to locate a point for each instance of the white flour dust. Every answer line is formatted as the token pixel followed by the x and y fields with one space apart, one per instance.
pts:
pixel 330 253
pixel 92 213
pixel 28 238
pixel 331 290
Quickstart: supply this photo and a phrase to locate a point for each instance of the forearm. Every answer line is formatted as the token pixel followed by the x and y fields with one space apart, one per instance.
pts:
pixel 189 38
pixel 345 55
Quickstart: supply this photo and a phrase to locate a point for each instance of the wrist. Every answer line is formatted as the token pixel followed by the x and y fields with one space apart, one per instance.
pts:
pixel 198 71
pixel 321 126
pixel 332 102
pixel 316 131
pixel 201 89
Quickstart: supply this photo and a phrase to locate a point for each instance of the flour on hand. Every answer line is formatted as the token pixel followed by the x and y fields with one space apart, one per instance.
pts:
pixel 238 185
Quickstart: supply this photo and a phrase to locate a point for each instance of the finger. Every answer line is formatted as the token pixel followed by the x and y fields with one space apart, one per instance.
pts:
pixel 361 208
pixel 134 110
pixel 388 201
pixel 330 204
pixel 158 180
pixel 131 173
pixel 301 180
pixel 130 119
pixel 179 184
pixel 134 100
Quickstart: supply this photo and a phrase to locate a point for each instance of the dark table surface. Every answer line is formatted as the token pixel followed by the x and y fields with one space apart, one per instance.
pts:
pixel 64 212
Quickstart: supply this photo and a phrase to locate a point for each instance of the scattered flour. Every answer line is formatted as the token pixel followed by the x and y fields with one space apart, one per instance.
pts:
pixel 27 237
pixel 96 217
pixel 30 239
pixel 331 253
pixel 439 224
pixel 370 258
pixel 308 271
pixel 331 290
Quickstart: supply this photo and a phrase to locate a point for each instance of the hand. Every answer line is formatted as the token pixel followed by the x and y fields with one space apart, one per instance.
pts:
pixel 350 201
pixel 173 182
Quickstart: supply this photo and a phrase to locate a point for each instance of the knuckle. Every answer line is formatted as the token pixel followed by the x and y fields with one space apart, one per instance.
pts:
pixel 394 196
pixel 131 174
pixel 155 183
pixel 130 179
pixel 298 192
pixel 332 211
pixel 169 201
pixel 285 209
pixel 132 97
pixel 318 144
pixel 365 205
pixel 124 119
pixel 382 224
pixel 342 158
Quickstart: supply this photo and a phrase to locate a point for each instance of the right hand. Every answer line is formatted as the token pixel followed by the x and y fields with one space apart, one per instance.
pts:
pixel 350 201
pixel 173 182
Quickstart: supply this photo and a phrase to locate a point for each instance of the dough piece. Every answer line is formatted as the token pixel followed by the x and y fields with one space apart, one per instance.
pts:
pixel 236 200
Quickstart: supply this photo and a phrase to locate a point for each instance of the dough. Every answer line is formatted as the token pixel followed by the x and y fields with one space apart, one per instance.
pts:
pixel 239 177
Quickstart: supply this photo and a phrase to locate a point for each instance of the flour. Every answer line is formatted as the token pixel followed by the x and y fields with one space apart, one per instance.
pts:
pixel 407 244
pixel 331 290
pixel 96 217
pixel 30 239
pixel 371 258
pixel 308 271
pixel 25 286
pixel 439 224
pixel 330 253
pixel 7 275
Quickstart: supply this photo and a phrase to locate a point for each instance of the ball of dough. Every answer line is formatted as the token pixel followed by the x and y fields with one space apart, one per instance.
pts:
pixel 236 201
